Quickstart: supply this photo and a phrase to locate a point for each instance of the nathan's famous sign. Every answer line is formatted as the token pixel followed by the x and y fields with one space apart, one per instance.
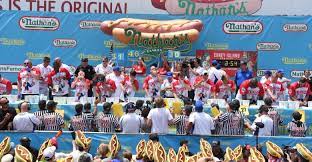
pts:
pixel 152 34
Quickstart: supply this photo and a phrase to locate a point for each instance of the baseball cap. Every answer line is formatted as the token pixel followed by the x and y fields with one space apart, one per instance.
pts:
pixel 199 106
pixel 267 72
pixel 188 108
pixel 130 106
pixel 7 158
pixel 169 74
pixel 116 68
pixel 84 60
pixel 214 62
pixel 280 71
pixel 49 152
pixel 205 72
pixel 51 103
pixel 219 66
pixel 243 62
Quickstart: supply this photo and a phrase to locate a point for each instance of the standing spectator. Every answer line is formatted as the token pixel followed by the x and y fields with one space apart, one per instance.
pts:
pixel 195 70
pixel 45 69
pixel 117 78
pixel 265 120
pixel 217 150
pixel 129 86
pixel 166 86
pixel 297 128
pixel 308 76
pixel 214 74
pixel 182 120
pixel 224 88
pixel 25 121
pixel 78 121
pixel 104 68
pixel 203 87
pixel 58 59
pixel 284 81
pixel 52 120
pixel 7 114
pixel 233 121
pixel 28 80
pixel 200 121
pixel 250 90
pixel 181 86
pixel 274 89
pixel 5 86
pixel 81 85
pixel 300 91
pixel 26 142
pixel 152 83
pixel 243 74
pixel 104 88
pixel 88 71
pixel 159 117
pixel 105 121
pixel 58 80
pixel 40 113
pixel 266 77
pixel 90 115
pixel 274 115
pixel 130 122
pixel 140 68
pixel 145 128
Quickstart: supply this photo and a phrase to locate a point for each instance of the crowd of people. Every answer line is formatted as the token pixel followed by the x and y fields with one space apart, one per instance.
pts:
pixel 148 151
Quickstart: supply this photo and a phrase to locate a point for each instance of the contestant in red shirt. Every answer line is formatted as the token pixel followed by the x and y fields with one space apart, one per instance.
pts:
pixel 274 89
pixel 28 79
pixel 152 83
pixel 140 68
pixel 181 86
pixel 251 90
pixel 5 86
pixel 300 91
pixel 81 85
pixel 203 87
pixel 58 80
pixel 129 85
pixel 105 88
pixel 224 88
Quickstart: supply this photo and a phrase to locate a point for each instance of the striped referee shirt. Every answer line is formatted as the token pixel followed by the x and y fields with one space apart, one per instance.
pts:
pixel 181 124
pixel 79 122
pixel 106 122
pixel 52 121
pixel 39 114
pixel 232 123
pixel 295 130
pixel 90 120
pixel 277 120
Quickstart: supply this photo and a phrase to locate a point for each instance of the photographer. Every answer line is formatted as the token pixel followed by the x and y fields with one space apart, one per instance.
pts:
pixel 263 122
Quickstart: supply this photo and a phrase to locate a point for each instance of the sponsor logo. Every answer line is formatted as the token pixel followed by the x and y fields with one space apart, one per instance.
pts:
pixel 31 55
pixel 90 24
pixel 93 57
pixel 297 73
pixel 64 43
pixel 117 44
pixel 268 46
pixel 242 27
pixel 12 42
pixel 39 23
pixel 295 28
pixel 260 73
pixel 216 46
pixel 294 61
pixel 10 68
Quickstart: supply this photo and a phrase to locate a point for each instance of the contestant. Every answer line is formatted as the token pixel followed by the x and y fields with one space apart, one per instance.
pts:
pixel 152 83
pixel 300 91
pixel 203 87
pixel 250 90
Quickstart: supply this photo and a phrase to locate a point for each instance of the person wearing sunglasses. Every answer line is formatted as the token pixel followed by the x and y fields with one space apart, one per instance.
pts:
pixel 28 80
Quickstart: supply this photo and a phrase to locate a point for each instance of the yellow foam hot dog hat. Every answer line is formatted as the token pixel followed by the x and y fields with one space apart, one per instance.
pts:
pixel 171 157
pixel 255 156
pixel 5 146
pixel 140 149
pixel 229 155
pixel 81 140
pixel 238 151
pixel 304 152
pixel 22 154
pixel 114 145
pixel 205 148
pixel 159 152
pixel 274 150
pixel 181 155
pixel 149 149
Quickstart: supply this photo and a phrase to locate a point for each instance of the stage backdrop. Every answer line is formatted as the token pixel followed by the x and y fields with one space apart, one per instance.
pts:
pixel 280 42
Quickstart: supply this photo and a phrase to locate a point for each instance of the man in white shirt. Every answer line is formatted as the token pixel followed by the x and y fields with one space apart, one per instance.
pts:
pixel 159 118
pixel 266 77
pixel 200 122
pixel 264 122
pixel 117 78
pixel 104 68
pixel 130 122
pixel 25 121
pixel 284 81
pixel 214 74
pixel 166 87
pixel 45 69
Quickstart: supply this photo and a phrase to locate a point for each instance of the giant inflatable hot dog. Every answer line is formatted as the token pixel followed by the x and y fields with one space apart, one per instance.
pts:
pixel 209 7
pixel 135 30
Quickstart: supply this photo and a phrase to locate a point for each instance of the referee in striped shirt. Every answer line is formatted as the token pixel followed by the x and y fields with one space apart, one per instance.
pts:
pixel 79 121
pixel 182 120
pixel 90 115
pixel 233 121
pixel 40 113
pixel 105 121
pixel 52 120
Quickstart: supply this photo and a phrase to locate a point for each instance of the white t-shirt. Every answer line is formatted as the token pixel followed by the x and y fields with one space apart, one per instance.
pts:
pixel 44 71
pixel 25 122
pixel 117 80
pixel 130 123
pixel 198 70
pixel 165 85
pixel 268 125
pixel 67 68
pixel 203 123
pixel 264 79
pixel 215 74
pixel 160 118
pixel 100 69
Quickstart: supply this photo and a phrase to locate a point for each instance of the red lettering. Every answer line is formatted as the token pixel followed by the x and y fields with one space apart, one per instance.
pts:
pixel 31 4
pixel 69 6
pixel 44 7
pixel 106 9
pixel 15 4
pixel 51 5
pixel 77 6
pixel 118 9
pixel 89 6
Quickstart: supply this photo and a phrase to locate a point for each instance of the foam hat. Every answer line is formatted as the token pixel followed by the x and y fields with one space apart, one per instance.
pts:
pixel 205 148
pixel 81 140
pixel 274 150
pixel 229 155
pixel 304 152
pixel 181 155
pixel 159 152
pixel 171 157
pixel 5 146
pixel 47 143
pixel 255 155
pixel 22 154
pixel 238 151
pixel 114 145
pixel 140 148
pixel 149 149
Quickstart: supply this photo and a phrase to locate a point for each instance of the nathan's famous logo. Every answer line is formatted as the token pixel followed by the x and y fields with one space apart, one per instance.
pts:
pixel 12 42
pixel 295 28
pixel 242 27
pixel 260 72
pixel 89 24
pixel 209 7
pixel 152 34
pixel 268 46
pixel 294 61
pixel 64 43
pixel 297 73
pixel 39 23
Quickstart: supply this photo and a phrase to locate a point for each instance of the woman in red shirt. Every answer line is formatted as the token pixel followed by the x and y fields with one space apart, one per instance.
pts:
pixel 140 68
